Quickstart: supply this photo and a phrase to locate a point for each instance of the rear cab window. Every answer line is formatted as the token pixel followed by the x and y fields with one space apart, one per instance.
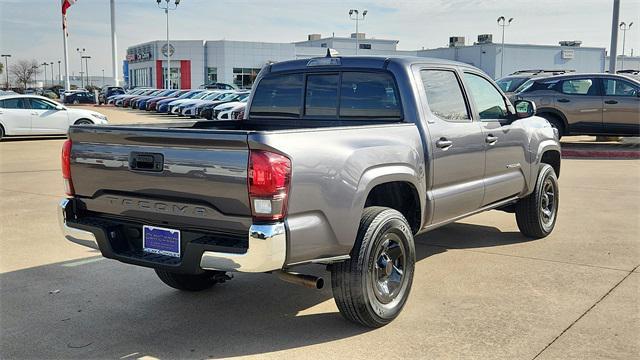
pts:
pixel 343 95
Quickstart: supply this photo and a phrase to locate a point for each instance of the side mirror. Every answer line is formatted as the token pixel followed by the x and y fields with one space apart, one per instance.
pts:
pixel 60 107
pixel 525 108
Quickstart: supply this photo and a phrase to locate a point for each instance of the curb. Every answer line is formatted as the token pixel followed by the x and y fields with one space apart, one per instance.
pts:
pixel 601 154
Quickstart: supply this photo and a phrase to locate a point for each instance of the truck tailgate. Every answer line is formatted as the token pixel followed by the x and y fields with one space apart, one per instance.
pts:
pixel 181 177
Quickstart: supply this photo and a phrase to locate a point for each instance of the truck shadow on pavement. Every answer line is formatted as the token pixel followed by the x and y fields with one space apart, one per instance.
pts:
pixel 105 309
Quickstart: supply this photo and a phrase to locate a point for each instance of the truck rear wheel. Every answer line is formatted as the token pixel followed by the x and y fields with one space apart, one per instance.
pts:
pixel 372 287
pixel 537 213
pixel 189 282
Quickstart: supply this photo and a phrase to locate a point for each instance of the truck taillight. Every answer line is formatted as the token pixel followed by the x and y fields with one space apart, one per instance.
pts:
pixel 66 168
pixel 268 177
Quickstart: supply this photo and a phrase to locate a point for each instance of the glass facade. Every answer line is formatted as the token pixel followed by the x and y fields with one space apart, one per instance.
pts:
pixel 243 78
pixel 175 75
pixel 212 75
pixel 140 77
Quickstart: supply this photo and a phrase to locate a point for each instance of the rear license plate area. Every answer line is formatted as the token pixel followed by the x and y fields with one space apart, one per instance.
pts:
pixel 163 241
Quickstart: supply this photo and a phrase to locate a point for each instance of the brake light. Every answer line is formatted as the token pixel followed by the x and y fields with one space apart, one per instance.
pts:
pixel 66 168
pixel 268 178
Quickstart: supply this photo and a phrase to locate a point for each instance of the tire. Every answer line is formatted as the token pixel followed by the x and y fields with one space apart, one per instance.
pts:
pixel 188 282
pixel 356 283
pixel 76 102
pixel 537 213
pixel 83 122
pixel 556 123
pixel 1 133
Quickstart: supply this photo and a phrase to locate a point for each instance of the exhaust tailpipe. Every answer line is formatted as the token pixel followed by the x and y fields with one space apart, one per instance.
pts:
pixel 308 281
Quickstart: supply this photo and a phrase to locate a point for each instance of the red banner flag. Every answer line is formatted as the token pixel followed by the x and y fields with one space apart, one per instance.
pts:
pixel 65 5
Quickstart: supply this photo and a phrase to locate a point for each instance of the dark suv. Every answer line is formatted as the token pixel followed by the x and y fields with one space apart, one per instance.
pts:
pixel 108 91
pixel 511 83
pixel 586 104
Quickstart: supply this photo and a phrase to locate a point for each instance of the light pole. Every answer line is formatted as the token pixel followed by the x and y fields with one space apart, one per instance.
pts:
pixel 166 9
pixel 102 77
pixel 6 69
pixel 502 21
pixel 86 62
pixel 44 79
pixel 35 73
pixel 81 52
pixel 59 72
pixel 624 27
pixel 354 14
pixel 51 64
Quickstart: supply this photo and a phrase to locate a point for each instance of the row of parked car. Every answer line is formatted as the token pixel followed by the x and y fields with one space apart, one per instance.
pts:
pixel 210 104
pixel 580 104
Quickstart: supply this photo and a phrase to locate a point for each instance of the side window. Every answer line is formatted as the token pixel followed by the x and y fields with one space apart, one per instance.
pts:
pixel 16 103
pixel 321 95
pixel 369 95
pixel 617 87
pixel 444 95
pixel 579 87
pixel 38 104
pixel 278 96
pixel 486 97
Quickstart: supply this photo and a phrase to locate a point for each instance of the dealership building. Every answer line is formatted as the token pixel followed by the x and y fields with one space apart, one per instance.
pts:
pixel 198 62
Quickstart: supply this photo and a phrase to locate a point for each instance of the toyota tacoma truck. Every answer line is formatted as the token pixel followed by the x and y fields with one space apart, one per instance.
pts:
pixel 338 161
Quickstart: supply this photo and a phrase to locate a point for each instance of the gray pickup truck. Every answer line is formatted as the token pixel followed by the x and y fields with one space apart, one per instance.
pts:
pixel 338 161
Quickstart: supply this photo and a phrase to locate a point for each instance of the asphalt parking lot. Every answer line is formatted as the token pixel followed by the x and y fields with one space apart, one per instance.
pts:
pixel 481 290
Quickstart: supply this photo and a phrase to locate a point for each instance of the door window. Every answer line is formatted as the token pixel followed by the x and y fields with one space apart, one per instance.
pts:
pixel 16 103
pixel 579 87
pixel 444 95
pixel 488 100
pixel 39 104
pixel 617 87
pixel 369 95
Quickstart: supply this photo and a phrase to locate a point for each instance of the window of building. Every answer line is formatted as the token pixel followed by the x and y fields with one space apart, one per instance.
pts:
pixel 243 78
pixel 365 46
pixel 321 95
pixel 579 87
pixel 175 77
pixel 141 77
pixel 212 75
pixel 444 95
pixel 489 102
pixel 323 45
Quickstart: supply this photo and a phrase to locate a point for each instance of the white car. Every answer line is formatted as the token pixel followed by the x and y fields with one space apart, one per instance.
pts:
pixel 23 115
pixel 225 111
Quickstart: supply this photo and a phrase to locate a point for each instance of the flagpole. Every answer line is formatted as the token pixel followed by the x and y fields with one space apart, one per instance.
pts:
pixel 67 85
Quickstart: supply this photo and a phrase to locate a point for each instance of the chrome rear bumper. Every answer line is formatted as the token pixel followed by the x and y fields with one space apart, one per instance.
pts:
pixel 78 236
pixel 267 246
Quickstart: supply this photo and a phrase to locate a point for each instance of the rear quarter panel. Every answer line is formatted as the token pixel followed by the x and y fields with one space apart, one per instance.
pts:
pixel 333 170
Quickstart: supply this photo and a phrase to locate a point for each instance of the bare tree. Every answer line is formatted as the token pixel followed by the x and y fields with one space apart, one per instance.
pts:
pixel 23 71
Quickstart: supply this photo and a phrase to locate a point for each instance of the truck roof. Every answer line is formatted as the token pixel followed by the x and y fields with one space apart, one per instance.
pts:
pixel 373 62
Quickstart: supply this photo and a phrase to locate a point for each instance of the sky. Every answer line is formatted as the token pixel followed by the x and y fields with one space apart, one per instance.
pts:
pixel 31 29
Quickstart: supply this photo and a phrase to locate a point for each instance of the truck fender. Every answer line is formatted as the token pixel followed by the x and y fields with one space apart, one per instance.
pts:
pixel 382 174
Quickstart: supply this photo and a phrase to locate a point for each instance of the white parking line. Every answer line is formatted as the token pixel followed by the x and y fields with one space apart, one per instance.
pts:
pixel 83 261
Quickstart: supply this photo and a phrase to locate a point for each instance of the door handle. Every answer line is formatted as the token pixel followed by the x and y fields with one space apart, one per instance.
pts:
pixel 610 102
pixel 490 139
pixel 34 113
pixel 443 143
pixel 563 100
